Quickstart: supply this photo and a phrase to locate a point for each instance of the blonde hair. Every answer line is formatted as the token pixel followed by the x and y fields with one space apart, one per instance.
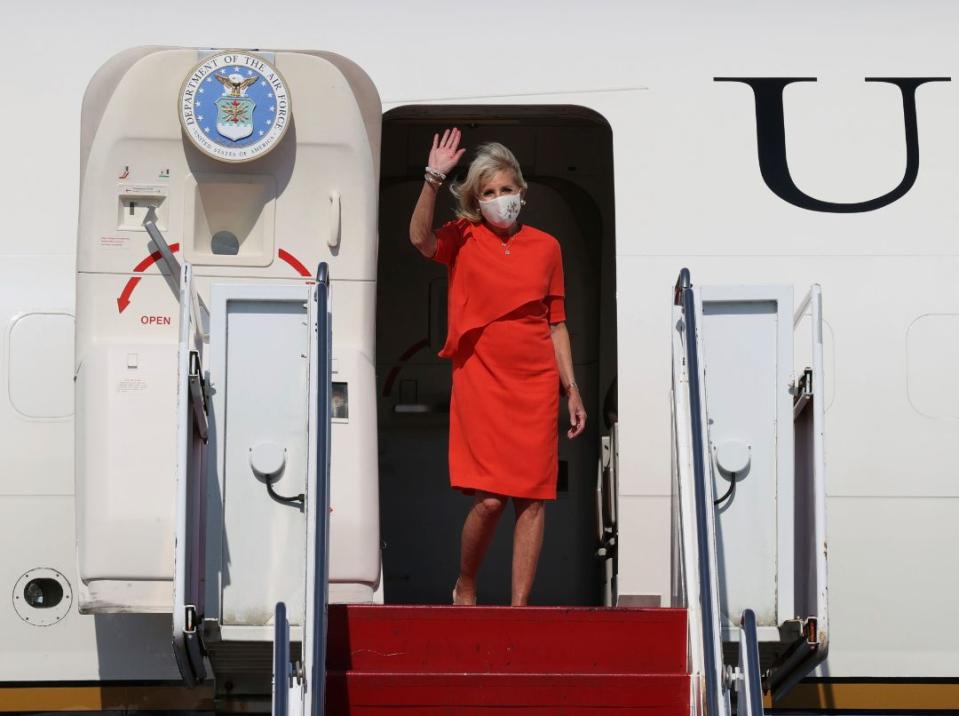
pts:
pixel 490 158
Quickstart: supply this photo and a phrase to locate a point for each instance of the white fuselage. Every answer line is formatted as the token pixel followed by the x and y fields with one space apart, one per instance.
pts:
pixel 688 191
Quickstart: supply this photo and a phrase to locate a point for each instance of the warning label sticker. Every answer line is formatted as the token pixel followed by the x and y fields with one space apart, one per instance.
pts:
pixel 131 385
pixel 114 242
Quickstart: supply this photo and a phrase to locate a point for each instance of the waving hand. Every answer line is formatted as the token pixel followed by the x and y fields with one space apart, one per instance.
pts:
pixel 445 153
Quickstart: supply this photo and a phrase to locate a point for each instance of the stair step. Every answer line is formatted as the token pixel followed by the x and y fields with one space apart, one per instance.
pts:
pixel 505 640
pixel 367 693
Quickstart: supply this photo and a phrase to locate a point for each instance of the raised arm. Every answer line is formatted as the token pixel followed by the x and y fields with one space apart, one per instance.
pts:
pixel 444 156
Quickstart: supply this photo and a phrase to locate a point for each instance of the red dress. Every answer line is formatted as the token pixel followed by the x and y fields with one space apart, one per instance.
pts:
pixel 505 399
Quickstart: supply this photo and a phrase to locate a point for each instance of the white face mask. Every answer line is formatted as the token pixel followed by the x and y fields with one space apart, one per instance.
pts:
pixel 502 211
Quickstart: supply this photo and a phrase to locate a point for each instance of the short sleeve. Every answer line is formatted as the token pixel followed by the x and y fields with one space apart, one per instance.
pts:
pixel 557 285
pixel 555 309
pixel 449 238
pixel 555 299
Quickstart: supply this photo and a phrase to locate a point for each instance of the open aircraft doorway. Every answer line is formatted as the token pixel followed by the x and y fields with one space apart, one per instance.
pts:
pixel 567 160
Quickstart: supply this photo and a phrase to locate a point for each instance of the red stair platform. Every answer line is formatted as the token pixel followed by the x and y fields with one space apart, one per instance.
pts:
pixel 531 660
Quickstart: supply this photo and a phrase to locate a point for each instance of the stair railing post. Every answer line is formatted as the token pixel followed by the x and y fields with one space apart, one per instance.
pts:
pixel 716 693
pixel 318 505
pixel 749 696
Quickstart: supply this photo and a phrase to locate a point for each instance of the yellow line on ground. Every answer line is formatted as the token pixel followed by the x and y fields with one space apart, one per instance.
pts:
pixel 98 698
pixel 871 695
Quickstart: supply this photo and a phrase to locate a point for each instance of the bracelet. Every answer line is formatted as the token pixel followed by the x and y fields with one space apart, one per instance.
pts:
pixel 432 181
pixel 436 173
pixel 571 387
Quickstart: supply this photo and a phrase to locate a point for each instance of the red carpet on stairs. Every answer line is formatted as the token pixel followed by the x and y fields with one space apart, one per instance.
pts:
pixel 484 660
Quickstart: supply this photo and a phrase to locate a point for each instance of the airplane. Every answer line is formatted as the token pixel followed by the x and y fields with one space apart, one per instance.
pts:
pixel 169 386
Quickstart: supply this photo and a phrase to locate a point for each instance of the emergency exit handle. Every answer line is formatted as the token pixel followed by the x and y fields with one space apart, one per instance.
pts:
pixel 168 258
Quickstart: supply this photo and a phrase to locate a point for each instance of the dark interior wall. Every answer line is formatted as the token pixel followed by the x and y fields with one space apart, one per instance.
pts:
pixel 566 155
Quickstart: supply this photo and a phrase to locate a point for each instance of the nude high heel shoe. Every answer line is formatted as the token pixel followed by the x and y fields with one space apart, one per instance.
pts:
pixel 455 599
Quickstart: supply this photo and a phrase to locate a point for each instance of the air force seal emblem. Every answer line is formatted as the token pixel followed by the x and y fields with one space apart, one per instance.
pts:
pixel 235 106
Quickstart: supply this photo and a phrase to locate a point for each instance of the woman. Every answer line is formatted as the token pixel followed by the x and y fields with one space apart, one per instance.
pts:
pixel 510 349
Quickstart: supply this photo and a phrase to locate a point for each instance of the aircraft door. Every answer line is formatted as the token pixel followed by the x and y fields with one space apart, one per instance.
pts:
pixel 255 166
pixel 415 384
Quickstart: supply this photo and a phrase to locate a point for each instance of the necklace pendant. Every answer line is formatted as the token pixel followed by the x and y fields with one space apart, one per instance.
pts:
pixel 507 252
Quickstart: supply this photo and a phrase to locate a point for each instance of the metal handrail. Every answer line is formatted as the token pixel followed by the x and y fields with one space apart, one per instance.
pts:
pixel 324 346
pixel 707 580
pixel 749 699
pixel 281 661
pixel 683 282
pixel 311 672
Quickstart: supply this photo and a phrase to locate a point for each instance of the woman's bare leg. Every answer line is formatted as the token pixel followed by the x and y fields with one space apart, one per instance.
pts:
pixel 478 532
pixel 527 542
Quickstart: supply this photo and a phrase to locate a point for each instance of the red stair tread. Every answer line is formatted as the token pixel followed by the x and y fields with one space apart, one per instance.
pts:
pixel 505 640
pixel 349 691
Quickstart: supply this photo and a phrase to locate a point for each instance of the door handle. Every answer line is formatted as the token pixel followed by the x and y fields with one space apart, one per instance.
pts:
pixel 334 238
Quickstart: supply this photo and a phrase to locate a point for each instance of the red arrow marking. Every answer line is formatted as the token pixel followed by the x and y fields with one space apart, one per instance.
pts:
pixel 124 299
pixel 295 263
pixel 153 258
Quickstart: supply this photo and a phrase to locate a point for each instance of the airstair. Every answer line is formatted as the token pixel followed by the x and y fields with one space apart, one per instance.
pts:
pixel 720 649
pixel 752 610
pixel 254 333
pixel 753 573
